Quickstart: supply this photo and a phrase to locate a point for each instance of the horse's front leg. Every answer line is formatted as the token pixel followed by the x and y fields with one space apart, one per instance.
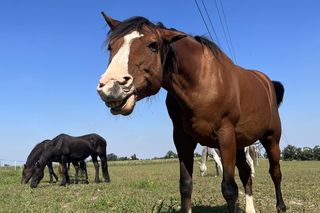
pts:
pixel 227 143
pixel 49 165
pixel 65 175
pixel 185 146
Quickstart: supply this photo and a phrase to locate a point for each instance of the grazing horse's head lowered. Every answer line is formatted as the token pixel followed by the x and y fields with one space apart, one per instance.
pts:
pixel 129 76
pixel 210 100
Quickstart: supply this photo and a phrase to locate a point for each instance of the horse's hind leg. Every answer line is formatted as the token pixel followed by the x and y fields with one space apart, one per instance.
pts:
pixel 104 168
pixel 271 144
pixel 76 168
pixel 83 167
pixel 245 176
pixel 96 166
pixel 249 160
pixel 65 175
pixel 54 174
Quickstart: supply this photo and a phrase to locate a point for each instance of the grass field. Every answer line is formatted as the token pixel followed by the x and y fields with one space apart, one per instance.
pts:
pixel 152 186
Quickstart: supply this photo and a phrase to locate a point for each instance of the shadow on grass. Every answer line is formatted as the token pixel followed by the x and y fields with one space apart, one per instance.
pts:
pixel 208 209
pixel 216 209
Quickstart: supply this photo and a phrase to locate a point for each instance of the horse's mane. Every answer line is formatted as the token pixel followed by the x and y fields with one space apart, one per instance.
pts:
pixel 133 23
pixel 208 43
pixel 36 153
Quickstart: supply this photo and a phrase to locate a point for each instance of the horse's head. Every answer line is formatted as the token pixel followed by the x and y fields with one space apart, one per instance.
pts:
pixel 135 67
pixel 37 175
pixel 27 173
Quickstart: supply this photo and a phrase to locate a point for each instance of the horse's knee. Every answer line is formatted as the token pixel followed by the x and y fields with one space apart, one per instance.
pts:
pixel 186 188
pixel 229 190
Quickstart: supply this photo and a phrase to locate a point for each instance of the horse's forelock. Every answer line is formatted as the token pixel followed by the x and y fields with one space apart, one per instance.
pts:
pixel 135 23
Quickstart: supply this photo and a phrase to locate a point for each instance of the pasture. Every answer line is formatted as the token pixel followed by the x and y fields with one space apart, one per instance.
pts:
pixel 152 186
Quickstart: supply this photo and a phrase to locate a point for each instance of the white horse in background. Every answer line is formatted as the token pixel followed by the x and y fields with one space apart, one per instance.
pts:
pixel 250 152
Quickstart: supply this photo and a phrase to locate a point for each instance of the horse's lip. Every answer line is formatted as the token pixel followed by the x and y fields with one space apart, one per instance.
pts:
pixel 124 108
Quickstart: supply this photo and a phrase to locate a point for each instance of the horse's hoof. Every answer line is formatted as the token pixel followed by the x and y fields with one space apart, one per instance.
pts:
pixel 281 208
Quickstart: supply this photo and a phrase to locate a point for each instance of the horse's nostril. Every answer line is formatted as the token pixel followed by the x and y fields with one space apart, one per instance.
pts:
pixel 100 86
pixel 127 78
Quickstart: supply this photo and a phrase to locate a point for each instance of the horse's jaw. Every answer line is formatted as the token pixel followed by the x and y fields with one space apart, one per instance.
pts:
pixel 126 107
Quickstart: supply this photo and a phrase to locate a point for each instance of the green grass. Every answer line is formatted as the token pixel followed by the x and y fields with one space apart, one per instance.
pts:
pixel 152 186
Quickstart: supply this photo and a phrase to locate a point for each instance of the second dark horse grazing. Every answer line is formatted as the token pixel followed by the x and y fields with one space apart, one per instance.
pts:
pixel 33 157
pixel 65 148
pixel 28 167
pixel 210 100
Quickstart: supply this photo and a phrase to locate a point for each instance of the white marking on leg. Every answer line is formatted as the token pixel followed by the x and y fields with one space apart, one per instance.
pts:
pixel 249 160
pixel 249 204
pixel 216 158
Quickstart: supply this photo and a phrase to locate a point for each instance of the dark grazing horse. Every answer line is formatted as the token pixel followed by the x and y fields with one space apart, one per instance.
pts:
pixel 33 157
pixel 28 167
pixel 210 100
pixel 65 148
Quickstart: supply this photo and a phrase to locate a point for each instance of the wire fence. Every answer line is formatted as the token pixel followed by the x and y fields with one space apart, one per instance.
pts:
pixel 7 163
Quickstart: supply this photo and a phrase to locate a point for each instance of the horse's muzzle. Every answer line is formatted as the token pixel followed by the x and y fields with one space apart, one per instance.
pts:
pixel 118 97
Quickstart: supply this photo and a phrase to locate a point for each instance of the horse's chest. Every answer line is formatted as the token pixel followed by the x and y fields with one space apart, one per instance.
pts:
pixel 202 131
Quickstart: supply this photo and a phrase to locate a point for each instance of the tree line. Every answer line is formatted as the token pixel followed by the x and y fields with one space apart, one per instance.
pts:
pixel 290 152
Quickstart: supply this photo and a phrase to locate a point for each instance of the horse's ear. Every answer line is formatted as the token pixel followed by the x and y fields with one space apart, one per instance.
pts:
pixel 112 23
pixel 170 36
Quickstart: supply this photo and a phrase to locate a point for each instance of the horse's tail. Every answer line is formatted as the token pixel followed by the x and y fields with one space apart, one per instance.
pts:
pixel 279 88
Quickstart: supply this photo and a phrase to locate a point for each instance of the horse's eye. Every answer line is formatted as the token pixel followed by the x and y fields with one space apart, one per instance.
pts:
pixel 109 47
pixel 154 46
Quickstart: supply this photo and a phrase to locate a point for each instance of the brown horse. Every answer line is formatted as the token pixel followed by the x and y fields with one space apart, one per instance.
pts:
pixel 210 100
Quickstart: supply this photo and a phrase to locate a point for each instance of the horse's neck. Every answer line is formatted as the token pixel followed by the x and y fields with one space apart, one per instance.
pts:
pixel 46 155
pixel 197 69
pixel 35 154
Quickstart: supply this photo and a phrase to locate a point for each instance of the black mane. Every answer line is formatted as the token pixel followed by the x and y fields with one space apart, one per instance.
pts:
pixel 208 43
pixel 36 153
pixel 133 23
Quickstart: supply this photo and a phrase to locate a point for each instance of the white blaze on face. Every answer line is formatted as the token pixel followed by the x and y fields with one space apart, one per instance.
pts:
pixel 118 66
pixel 249 204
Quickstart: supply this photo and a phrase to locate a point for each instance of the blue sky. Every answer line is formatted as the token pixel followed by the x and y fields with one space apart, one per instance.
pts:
pixel 52 55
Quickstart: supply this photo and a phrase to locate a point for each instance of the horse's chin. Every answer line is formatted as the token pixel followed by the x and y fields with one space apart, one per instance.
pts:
pixel 126 108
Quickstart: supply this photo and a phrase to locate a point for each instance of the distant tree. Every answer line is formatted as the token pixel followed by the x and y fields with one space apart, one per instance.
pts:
pixel 123 158
pixel 306 153
pixel 316 152
pixel 298 155
pixel 134 157
pixel 170 154
pixel 112 157
pixel 289 153
pixel 196 154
